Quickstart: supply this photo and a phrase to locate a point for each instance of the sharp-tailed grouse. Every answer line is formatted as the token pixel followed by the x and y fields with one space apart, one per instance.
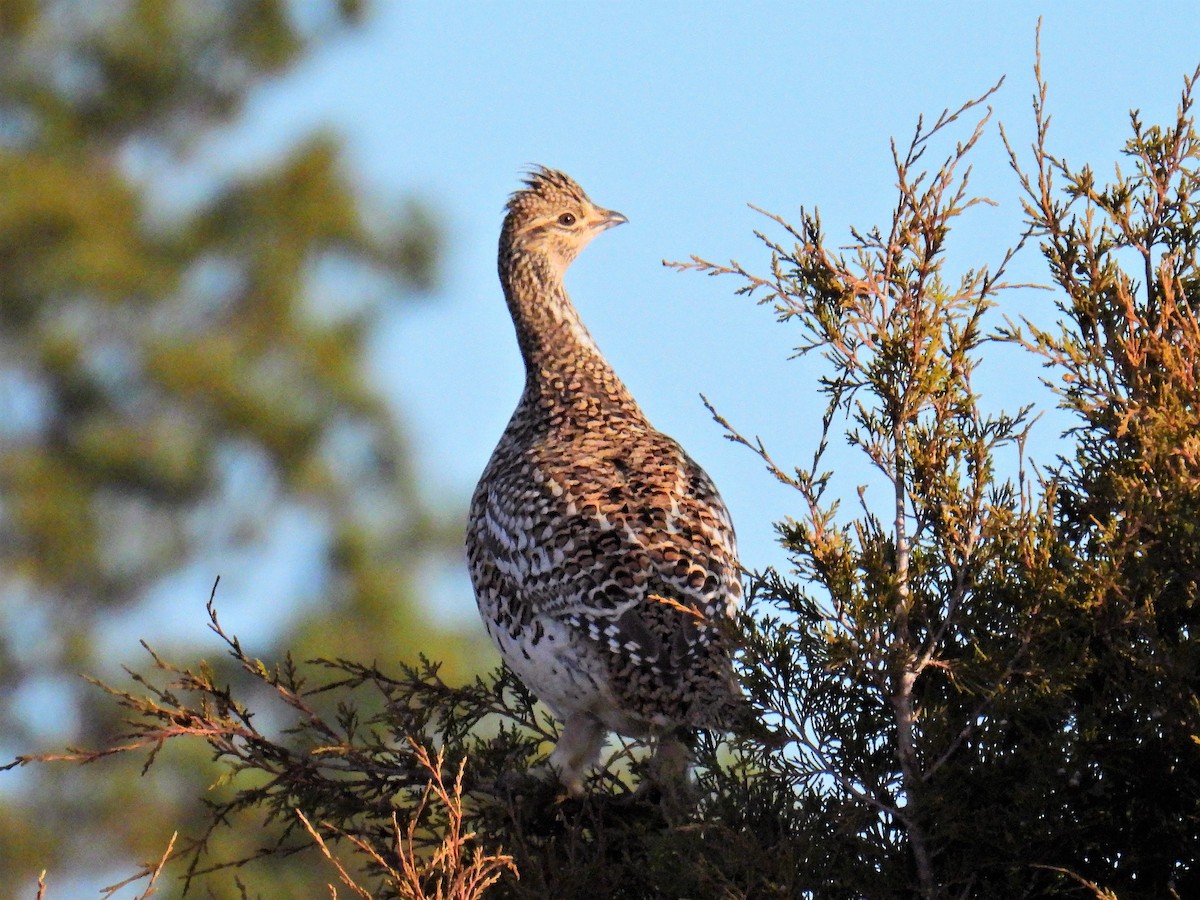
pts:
pixel 602 556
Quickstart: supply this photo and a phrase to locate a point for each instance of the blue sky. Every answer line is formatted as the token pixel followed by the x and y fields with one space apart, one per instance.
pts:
pixel 678 115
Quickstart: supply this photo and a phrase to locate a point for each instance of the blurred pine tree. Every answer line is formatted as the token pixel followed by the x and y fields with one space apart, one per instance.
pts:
pixel 170 394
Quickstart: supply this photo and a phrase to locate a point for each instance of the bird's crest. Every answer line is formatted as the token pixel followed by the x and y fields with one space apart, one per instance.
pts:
pixel 545 186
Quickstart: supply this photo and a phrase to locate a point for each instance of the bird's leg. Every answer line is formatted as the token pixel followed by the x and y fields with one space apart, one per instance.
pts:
pixel 671 760
pixel 577 750
pixel 667 774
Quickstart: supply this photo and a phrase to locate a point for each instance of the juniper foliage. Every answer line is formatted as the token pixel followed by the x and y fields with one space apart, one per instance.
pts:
pixel 981 680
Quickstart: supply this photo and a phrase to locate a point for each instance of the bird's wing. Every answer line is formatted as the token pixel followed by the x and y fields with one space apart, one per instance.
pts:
pixel 635 551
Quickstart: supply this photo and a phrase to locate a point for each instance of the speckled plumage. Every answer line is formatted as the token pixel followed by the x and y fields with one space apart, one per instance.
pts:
pixel 602 556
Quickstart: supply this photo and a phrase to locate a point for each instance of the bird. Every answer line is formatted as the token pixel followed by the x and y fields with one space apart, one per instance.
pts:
pixel 603 559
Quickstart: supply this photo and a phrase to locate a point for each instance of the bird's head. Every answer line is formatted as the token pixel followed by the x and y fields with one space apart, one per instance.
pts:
pixel 552 216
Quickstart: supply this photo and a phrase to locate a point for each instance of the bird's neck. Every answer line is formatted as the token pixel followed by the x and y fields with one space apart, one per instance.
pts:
pixel 561 359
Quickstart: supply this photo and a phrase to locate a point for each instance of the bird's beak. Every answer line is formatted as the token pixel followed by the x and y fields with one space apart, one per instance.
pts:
pixel 609 218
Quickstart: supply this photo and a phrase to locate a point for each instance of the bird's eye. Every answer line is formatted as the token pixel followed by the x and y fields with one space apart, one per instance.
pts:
pixel 566 219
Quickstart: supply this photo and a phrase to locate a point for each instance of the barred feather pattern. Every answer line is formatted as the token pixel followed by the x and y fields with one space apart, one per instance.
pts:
pixel 603 559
